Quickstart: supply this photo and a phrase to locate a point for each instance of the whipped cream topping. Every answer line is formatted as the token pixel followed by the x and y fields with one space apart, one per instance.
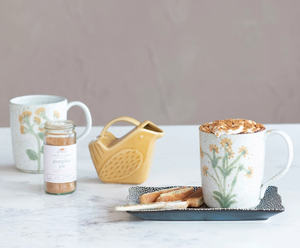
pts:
pixel 231 126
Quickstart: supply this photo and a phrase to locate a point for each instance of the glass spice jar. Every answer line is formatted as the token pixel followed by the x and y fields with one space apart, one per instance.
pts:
pixel 60 157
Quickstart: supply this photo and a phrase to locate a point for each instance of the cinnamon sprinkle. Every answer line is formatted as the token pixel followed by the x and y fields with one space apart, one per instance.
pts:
pixel 231 126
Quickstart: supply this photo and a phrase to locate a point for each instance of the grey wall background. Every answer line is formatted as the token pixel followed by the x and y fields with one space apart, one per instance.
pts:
pixel 172 62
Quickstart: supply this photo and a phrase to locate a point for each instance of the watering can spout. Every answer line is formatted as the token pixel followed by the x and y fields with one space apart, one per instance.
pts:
pixel 151 128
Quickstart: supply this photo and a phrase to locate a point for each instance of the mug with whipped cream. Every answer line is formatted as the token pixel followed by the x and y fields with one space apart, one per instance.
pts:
pixel 232 156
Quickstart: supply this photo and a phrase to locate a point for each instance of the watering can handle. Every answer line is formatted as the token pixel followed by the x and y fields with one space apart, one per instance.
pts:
pixel 122 118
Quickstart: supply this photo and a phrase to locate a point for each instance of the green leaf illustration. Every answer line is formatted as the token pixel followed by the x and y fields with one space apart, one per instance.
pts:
pixel 42 149
pixel 42 125
pixel 224 161
pixel 32 154
pixel 219 201
pixel 223 172
pixel 219 195
pixel 215 161
pixel 224 201
pixel 41 135
pixel 228 172
pixel 229 197
pixel 233 182
pixel 229 204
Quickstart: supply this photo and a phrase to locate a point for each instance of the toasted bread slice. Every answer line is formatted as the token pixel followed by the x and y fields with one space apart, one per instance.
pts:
pixel 195 199
pixel 152 197
pixel 176 195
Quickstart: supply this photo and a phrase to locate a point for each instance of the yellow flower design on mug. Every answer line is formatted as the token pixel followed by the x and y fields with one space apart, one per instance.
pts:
pixel 28 126
pixel 226 141
pixel 26 114
pixel 37 120
pixel 205 170
pixel 24 117
pixel 40 111
pixel 214 147
pixel 244 150
pixel 22 129
pixel 21 119
pixel 249 173
pixel 230 153
pixel 56 114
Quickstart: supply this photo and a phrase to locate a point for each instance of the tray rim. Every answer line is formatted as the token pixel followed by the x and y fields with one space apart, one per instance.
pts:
pixel 202 209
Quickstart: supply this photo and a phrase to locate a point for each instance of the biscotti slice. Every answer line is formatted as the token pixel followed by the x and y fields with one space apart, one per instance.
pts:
pixel 152 197
pixel 195 199
pixel 176 195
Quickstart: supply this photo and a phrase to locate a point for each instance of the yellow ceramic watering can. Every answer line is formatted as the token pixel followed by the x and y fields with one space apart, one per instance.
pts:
pixel 127 159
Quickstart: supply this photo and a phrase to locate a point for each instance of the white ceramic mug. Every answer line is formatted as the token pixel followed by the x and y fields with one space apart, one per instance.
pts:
pixel 232 168
pixel 27 117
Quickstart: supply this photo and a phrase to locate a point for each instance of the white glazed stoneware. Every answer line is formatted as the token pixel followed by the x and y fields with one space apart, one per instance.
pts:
pixel 232 168
pixel 27 117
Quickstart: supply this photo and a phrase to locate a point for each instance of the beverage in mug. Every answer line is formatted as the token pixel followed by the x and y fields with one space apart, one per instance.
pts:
pixel 232 157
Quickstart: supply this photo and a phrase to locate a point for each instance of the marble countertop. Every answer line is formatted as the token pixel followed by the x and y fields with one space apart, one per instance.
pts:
pixel 31 218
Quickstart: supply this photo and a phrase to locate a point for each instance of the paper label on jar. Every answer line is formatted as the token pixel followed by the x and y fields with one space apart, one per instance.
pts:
pixel 60 163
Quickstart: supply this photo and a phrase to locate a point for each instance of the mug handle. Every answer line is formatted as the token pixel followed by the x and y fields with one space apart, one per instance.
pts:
pixel 288 164
pixel 87 116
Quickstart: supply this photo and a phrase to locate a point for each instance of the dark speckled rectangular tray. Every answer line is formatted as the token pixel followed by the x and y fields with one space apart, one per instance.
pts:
pixel 268 206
